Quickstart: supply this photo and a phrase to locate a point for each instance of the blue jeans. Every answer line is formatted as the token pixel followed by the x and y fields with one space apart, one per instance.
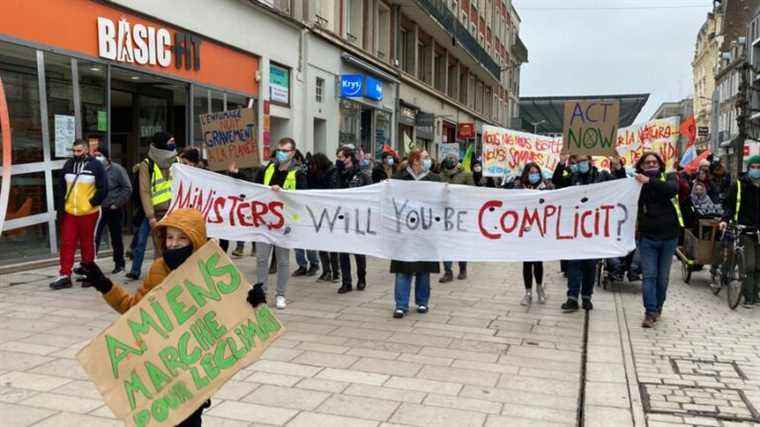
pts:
pixel 404 285
pixel 138 251
pixel 656 258
pixel 580 278
pixel 302 255
pixel 448 266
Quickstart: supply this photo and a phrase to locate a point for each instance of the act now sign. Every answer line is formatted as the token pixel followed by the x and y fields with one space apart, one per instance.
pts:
pixel 591 127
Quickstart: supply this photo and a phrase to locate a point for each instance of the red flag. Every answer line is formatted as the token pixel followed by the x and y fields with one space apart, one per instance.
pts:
pixel 689 130
pixel 694 164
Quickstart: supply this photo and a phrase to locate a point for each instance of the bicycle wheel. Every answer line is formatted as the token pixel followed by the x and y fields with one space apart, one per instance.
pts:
pixel 685 272
pixel 736 280
pixel 599 274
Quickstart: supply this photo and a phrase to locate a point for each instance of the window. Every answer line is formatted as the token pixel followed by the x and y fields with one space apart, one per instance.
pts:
pixel 18 69
pixel 60 94
pixel 451 91
pixel 407 50
pixel 425 58
pixel 353 20
pixel 440 70
pixel 319 90
pixel 383 32
pixel 463 90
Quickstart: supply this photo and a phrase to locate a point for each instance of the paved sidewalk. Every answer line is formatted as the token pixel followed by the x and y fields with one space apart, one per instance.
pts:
pixel 700 365
pixel 477 358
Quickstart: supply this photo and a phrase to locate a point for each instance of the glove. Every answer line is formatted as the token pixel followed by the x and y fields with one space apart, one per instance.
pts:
pixel 96 278
pixel 256 295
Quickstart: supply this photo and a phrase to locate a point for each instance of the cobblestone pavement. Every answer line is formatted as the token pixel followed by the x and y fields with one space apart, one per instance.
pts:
pixel 700 365
pixel 477 358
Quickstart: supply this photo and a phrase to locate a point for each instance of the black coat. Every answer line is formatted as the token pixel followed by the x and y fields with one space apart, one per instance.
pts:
pixel 658 219
pixel 749 211
pixel 417 266
pixel 563 178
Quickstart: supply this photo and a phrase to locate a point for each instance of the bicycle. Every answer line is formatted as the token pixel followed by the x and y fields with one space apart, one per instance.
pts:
pixel 731 273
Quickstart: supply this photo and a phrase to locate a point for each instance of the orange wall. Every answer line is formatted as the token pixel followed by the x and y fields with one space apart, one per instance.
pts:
pixel 72 25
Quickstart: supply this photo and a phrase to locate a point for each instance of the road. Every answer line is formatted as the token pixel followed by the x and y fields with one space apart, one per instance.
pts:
pixel 477 358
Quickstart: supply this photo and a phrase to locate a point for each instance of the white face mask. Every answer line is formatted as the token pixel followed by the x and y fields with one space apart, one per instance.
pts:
pixel 101 159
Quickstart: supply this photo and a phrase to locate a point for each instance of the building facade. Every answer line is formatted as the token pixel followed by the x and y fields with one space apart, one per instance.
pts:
pixel 703 68
pixel 753 83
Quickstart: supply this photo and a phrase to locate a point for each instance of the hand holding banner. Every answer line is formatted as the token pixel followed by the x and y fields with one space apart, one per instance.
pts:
pixel 158 363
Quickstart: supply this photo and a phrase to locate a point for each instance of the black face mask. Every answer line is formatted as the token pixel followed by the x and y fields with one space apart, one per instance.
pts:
pixel 175 257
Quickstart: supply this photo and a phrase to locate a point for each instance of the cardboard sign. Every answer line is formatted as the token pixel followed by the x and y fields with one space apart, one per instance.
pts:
pixel 230 136
pixel 506 151
pixel 659 135
pixel 158 363
pixel 590 127
pixel 445 149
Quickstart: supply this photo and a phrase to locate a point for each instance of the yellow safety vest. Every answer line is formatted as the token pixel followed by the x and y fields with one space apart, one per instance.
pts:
pixel 738 200
pixel 676 205
pixel 290 180
pixel 160 187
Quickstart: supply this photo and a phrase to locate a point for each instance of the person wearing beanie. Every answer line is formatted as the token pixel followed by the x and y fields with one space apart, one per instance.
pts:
pixel 742 206
pixel 155 189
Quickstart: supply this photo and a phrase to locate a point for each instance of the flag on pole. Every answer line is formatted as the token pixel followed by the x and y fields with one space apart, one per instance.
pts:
pixel 693 165
pixel 689 130
pixel 467 160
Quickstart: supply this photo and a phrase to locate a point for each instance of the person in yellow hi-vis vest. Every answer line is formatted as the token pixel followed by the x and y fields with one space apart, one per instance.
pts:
pixel 155 189
pixel 282 173
pixel 659 223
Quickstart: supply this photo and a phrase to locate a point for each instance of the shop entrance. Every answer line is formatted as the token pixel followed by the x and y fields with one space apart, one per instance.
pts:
pixel 142 105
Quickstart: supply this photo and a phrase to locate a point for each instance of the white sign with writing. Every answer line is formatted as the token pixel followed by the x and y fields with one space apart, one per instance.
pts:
pixel 65 132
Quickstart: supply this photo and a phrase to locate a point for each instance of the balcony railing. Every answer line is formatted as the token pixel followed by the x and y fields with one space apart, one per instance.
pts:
pixel 439 10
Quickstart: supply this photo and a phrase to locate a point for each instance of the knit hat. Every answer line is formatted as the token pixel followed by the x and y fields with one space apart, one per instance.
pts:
pixel 753 159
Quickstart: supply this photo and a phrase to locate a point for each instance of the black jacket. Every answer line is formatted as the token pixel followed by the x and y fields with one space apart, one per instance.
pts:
pixel 417 266
pixel 325 180
pixel 749 211
pixel 563 178
pixel 352 178
pixel 658 219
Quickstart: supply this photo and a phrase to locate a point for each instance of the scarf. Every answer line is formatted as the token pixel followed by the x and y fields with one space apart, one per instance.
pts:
pixel 703 205
pixel 163 158
pixel 415 176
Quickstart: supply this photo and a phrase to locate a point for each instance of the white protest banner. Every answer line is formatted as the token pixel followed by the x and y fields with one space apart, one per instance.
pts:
pixel 506 151
pixel 659 135
pixel 449 148
pixel 419 221
pixel 162 359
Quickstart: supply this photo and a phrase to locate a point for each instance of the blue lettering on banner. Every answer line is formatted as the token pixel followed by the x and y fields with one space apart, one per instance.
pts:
pixel 373 89
pixel 224 137
pixel 351 85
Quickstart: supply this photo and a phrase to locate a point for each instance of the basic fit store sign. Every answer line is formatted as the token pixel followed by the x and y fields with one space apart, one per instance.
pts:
pixel 94 29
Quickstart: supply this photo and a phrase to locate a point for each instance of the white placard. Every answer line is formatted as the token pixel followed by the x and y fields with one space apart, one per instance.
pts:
pixel 419 221
pixel 65 132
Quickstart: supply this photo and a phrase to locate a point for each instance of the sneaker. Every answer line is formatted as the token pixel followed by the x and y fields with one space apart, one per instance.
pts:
pixel 541 294
pixel 657 315
pixel 570 306
pixel 63 282
pixel 279 302
pixel 447 277
pixel 335 277
pixel 526 299
pixel 118 269
pixel 398 313
pixel 345 288
pixel 587 305
pixel 312 271
pixel 422 309
pixel 361 284
pixel 238 252
pixel 749 305
pixel 648 321
pixel 132 276
pixel 325 277
pixel 462 275
pixel 300 271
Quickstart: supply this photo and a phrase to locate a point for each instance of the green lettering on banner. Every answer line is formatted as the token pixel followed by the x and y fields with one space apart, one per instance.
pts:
pixel 199 294
pixel 141 418
pixel 157 376
pixel 219 359
pixel 178 307
pixel 207 363
pixel 160 409
pixel 209 270
pixel 170 358
pixel 199 381
pixel 266 320
pixel 135 383
pixel 146 323
pixel 161 314
pixel 237 354
pixel 217 330
pixel 118 351
pixel 187 359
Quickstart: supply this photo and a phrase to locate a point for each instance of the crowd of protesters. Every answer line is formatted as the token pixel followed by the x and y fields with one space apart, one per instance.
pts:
pixel 97 191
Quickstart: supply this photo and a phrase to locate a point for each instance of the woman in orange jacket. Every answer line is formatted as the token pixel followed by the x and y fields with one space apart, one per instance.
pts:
pixel 182 232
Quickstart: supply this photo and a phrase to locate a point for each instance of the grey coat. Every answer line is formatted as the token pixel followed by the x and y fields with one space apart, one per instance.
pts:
pixel 119 186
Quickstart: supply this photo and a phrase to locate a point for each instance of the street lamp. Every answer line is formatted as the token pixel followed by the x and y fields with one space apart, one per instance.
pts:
pixel 536 125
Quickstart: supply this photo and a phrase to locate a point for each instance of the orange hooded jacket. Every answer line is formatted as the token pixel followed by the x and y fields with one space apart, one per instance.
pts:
pixel 190 222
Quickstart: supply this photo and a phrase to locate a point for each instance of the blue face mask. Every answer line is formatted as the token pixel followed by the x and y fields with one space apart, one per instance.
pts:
pixel 583 166
pixel 364 163
pixel 573 168
pixel 281 156
pixel 534 177
pixel 427 164
pixel 171 147
pixel 389 161
pixel 754 173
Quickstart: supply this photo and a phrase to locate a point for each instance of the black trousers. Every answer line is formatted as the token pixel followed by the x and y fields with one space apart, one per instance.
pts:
pixel 530 270
pixel 112 218
pixel 329 262
pixel 194 420
pixel 345 268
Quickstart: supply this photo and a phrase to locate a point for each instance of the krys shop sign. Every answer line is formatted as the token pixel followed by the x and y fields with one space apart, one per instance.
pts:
pixel 147 45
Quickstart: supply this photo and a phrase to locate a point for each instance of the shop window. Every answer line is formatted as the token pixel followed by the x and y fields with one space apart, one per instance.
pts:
pixel 60 104
pixel 350 122
pixel 319 90
pixel 18 70
pixel 28 196
pixel 200 106
pixel 382 132
pixel 217 101
pixel 236 102
pixel 92 90
pixel 23 243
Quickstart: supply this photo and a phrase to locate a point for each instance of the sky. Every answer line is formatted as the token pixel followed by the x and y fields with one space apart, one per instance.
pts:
pixel 589 47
